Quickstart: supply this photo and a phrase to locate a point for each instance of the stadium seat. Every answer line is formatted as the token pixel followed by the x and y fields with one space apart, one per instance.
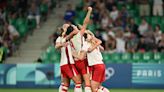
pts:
pixel 162 23
pixel 106 57
pixel 157 56
pixel 148 57
pixel 31 24
pixel 148 19
pixel 137 20
pixel 55 57
pixel 52 54
pixel 22 29
pixel 162 57
pixel 81 16
pixel 92 27
pixel 155 20
pixel 43 8
pixel 126 57
pixel 130 6
pixel 132 13
pixel 20 22
pixel 45 58
pixel 116 58
pixel 76 21
pixel 119 6
pixel 137 57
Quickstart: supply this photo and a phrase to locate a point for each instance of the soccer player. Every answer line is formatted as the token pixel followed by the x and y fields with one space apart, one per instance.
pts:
pixel 67 64
pixel 91 49
pixel 77 40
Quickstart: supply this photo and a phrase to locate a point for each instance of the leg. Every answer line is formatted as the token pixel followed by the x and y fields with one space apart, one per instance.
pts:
pixel 65 81
pixel 160 10
pixel 147 10
pixel 86 78
pixel 37 17
pixel 141 10
pixel 60 87
pixel 77 81
pixel 98 76
pixel 154 10
pixel 62 84
pixel 95 86
pixel 103 89
pixel 83 69
pixel 30 17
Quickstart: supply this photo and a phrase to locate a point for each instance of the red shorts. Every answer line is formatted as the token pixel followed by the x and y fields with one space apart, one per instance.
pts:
pixel 98 73
pixel 68 71
pixel 82 66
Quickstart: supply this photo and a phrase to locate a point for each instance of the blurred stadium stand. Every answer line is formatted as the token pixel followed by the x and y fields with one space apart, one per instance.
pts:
pixel 125 41
pixel 150 51
pixel 16 28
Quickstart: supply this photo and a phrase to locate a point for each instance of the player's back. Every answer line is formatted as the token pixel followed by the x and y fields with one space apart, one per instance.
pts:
pixel 66 53
pixel 77 41
pixel 94 57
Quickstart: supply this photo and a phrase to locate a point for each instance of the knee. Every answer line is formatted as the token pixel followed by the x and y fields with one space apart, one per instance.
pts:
pixel 66 84
pixel 77 79
pixel 87 79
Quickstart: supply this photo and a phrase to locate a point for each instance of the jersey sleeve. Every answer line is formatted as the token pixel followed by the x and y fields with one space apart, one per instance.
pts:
pixel 58 40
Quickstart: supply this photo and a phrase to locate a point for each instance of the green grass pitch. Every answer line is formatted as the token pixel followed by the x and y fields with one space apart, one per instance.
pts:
pixel 56 90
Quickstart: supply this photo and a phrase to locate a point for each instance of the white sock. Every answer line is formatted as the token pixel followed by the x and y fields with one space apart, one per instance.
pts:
pixel 60 88
pixel 88 89
pixel 104 89
pixel 64 88
pixel 78 88
pixel 99 90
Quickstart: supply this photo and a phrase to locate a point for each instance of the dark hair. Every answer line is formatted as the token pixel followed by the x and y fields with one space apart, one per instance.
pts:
pixel 61 30
pixel 69 30
pixel 157 25
pixel 85 35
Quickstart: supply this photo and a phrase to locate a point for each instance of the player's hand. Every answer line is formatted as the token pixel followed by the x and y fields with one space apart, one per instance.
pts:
pixel 65 44
pixel 89 8
pixel 90 50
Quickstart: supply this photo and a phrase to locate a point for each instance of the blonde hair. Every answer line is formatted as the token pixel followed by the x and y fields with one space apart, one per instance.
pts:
pixel 88 32
pixel 62 31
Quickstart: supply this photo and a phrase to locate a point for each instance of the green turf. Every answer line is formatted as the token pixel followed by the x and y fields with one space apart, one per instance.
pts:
pixel 55 90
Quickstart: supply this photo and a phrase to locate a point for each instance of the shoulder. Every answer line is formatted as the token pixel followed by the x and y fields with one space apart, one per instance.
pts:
pixel 58 39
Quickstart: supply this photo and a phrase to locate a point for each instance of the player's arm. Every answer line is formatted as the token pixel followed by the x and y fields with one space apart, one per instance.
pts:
pixel 59 45
pixel 97 43
pixel 86 20
pixel 80 55
pixel 101 48
pixel 74 32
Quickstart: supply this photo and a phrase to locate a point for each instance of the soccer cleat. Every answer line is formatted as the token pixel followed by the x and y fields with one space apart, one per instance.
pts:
pixel 104 89
pixel 88 89
pixel 99 90
pixel 78 88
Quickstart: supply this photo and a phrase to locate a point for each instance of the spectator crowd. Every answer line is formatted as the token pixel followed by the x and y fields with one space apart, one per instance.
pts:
pixel 114 22
pixel 18 19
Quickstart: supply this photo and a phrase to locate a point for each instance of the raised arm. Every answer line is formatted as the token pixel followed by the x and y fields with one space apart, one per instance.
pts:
pixel 86 20
pixel 59 44
pixel 96 44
